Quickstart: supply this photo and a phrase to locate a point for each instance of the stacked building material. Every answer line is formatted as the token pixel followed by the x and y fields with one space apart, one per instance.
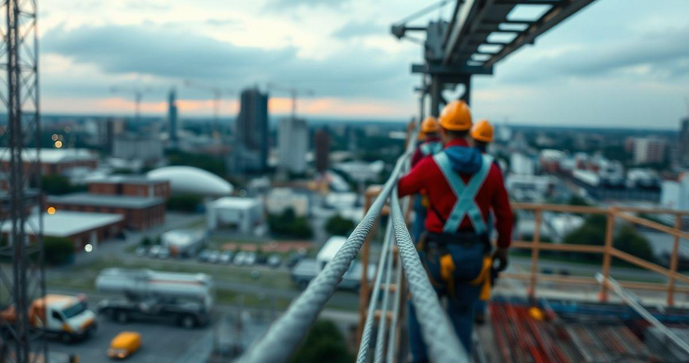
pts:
pixel 665 348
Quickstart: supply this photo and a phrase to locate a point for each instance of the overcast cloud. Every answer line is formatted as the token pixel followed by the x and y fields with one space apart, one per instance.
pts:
pixel 613 57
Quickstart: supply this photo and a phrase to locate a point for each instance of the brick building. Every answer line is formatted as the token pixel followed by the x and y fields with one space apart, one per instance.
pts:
pixel 139 213
pixel 54 161
pixel 130 186
pixel 81 228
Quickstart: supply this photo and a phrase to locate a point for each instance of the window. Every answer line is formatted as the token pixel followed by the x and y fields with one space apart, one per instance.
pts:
pixel 57 316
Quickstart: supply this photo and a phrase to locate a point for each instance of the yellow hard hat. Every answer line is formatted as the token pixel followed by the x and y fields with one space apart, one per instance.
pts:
pixel 456 116
pixel 482 131
pixel 430 125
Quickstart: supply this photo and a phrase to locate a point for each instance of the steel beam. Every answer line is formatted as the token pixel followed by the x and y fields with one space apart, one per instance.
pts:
pixel 554 17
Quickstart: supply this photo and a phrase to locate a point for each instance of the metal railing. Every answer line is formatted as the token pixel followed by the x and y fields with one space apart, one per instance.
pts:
pixel 285 335
pixel 607 250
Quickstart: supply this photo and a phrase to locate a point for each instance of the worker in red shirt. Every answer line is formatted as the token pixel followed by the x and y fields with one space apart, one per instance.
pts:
pixel 430 140
pixel 482 133
pixel 463 187
pixel 429 145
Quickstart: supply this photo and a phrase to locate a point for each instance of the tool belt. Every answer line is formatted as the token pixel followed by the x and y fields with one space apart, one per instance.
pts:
pixel 440 241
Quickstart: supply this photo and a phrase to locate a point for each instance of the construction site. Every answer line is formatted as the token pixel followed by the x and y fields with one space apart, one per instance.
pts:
pixel 617 307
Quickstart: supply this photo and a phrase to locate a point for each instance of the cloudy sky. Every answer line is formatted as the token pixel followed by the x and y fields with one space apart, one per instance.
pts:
pixel 616 63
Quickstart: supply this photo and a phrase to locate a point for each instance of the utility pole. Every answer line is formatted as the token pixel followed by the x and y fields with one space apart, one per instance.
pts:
pixel 23 242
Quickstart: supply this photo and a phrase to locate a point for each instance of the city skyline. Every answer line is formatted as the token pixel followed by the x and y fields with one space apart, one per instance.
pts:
pixel 355 66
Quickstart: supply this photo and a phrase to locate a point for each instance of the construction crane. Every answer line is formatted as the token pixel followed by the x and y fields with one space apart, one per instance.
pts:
pixel 138 97
pixel 293 92
pixel 218 94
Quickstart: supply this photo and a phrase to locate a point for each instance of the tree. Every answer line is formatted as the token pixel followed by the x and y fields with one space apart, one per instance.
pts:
pixel 323 343
pixel 592 232
pixel 145 242
pixel 289 225
pixel 339 226
pixel 630 241
pixel 58 250
pixel 184 203
pixel 58 185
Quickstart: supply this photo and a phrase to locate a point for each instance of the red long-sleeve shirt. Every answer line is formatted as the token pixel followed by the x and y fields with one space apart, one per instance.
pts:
pixel 492 196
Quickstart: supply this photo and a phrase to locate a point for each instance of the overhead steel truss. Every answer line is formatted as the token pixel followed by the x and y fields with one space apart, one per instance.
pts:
pixel 479 34
pixel 21 243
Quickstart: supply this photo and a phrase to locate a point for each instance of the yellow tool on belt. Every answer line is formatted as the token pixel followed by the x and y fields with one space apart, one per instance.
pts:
pixel 447 268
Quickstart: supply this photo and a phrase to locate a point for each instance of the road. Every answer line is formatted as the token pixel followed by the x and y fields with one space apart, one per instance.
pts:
pixel 166 342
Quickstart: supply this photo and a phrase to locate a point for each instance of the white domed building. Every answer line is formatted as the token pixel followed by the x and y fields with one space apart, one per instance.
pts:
pixel 191 180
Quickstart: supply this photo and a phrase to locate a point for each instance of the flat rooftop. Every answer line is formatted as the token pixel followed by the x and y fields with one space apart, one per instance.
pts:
pixel 67 223
pixel 235 203
pixel 102 200
pixel 127 179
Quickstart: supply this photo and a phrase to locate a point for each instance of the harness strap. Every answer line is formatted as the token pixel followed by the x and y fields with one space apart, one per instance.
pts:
pixel 465 205
pixel 431 148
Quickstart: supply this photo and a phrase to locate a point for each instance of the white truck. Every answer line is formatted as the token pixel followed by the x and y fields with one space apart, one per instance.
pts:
pixel 151 295
pixel 63 316
pixel 307 269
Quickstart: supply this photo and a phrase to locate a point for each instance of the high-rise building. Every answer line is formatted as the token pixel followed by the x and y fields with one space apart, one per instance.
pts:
pixel 649 150
pixel 146 148
pixel 293 143
pixel 322 147
pixel 172 116
pixel 683 142
pixel 109 130
pixel 251 132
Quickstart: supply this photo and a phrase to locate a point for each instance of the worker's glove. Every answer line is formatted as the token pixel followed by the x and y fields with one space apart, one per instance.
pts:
pixel 500 255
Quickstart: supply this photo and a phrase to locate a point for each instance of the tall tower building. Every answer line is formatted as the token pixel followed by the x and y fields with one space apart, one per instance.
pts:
pixel 322 149
pixel 251 132
pixel 683 142
pixel 293 143
pixel 172 115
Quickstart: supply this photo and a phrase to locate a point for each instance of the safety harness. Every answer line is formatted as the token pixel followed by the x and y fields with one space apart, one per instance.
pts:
pixel 431 148
pixel 465 206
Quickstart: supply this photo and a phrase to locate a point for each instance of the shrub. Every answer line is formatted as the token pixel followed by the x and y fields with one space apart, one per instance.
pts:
pixel 323 343
pixel 58 251
pixel 339 226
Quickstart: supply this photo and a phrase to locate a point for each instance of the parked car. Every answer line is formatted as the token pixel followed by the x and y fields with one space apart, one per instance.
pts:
pixel 163 254
pixel 274 261
pixel 154 251
pixel 250 259
pixel 226 257
pixel 294 259
pixel 203 255
pixel 141 251
pixel 214 257
pixel 239 258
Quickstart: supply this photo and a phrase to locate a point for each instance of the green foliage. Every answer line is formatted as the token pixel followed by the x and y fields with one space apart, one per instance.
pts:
pixel 592 232
pixel 578 201
pixel 339 226
pixel 184 203
pixel 146 242
pixel 58 250
pixel 630 241
pixel 58 185
pixel 288 224
pixel 212 164
pixel 323 343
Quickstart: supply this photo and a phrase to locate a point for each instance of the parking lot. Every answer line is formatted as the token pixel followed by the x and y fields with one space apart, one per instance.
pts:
pixel 161 343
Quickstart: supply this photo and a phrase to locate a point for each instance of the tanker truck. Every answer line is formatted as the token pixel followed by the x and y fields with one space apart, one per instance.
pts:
pixel 63 316
pixel 186 299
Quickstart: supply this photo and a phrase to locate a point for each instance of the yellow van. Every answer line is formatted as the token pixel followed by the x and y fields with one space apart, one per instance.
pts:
pixel 124 345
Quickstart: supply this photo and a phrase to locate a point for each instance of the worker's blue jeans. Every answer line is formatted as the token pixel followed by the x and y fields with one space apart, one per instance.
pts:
pixel 460 303
pixel 418 224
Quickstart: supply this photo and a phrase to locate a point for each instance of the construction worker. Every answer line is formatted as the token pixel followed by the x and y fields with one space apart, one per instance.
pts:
pixel 482 133
pixel 463 187
pixel 429 145
pixel 430 140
